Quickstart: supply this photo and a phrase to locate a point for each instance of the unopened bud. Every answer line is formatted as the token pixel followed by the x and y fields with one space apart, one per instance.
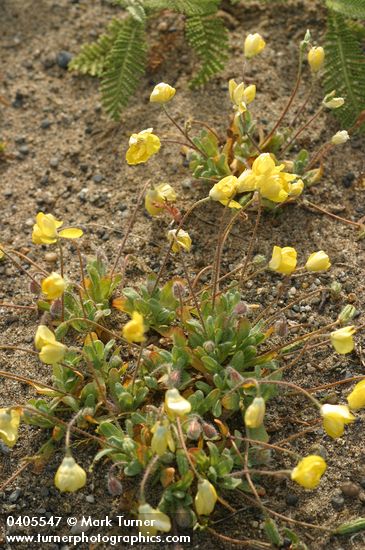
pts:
pixel 174 379
pixel 194 429
pixel 347 313
pixel 259 259
pixel 209 346
pixel 255 413
pixel 183 517
pixel 115 362
pixel 340 137
pixel 34 287
pixel 115 487
pixel 209 431
pixel 56 309
pixel 281 327
pixel 241 308
pixel 167 476
pixel 335 290
pixel 234 375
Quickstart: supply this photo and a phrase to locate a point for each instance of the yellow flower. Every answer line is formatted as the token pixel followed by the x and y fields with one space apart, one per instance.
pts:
pixel 175 404
pixel 269 179
pixel 51 351
pixel 284 260
pixel 334 419
pixel 296 188
pixel 157 197
pixel 205 498
pixel 134 330
pixel 241 96
pixel 9 425
pixel 153 520
pixel 162 438
pixel 255 413
pixel 342 339
pixel 180 239
pixel 45 230
pixel 254 44
pixel 340 137
pixel 53 286
pixel 318 261
pixel 356 399
pixel 142 146
pixel 316 58
pixel 162 93
pixel 70 477
pixel 333 102
pixel 224 190
pixel 309 471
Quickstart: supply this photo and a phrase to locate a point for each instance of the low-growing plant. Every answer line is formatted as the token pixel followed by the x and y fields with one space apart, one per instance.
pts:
pixel 248 165
pixel 119 56
pixel 176 396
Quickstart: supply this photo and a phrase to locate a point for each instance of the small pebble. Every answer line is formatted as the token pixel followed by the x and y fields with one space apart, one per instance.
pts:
pixel 54 162
pixel 338 502
pixel 45 124
pixel 51 257
pixel 63 59
pixel 291 499
pixel 98 178
pixel 15 495
pixel 350 489
pixel 90 499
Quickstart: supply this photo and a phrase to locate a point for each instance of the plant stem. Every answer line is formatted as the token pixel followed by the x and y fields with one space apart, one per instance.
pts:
pixel 192 292
pixel 30 381
pixel 146 475
pixel 301 129
pixel 183 444
pixel 62 274
pixel 184 133
pixel 129 228
pixel 305 202
pixel 30 308
pixel 252 240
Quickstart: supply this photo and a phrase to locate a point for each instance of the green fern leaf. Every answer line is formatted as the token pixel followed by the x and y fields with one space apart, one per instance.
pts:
pixel 344 68
pixel 350 8
pixel 186 7
pixel 125 65
pixel 209 38
pixel 92 57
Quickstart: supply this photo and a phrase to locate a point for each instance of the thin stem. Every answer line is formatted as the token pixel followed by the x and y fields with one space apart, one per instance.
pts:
pixel 183 132
pixel 301 129
pixel 137 366
pixel 146 475
pixel 14 475
pixel 263 444
pixel 192 292
pixel 31 382
pixel 69 428
pixel 252 240
pixel 62 274
pixel 17 348
pixel 20 267
pixel 250 543
pixel 305 202
pixel 129 228
pixel 304 104
pixel 16 306
pixel 319 155
pixel 28 260
pixel 334 384
pixel 202 123
pixel 183 444
pixel 182 221
pixel 290 101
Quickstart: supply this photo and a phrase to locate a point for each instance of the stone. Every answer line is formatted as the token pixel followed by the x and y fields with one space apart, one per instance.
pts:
pixel 63 59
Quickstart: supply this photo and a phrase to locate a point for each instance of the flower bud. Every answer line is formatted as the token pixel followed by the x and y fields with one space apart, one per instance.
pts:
pixel 194 429
pixel 162 93
pixel 241 308
pixel 281 327
pixel 284 260
pixel 205 498
pixel 115 487
pixel 316 58
pixel 56 309
pixel 332 102
pixel 167 476
pixel 34 288
pixel 348 313
pixel 254 44
pixel 318 261
pixel 184 517
pixel 70 476
pixel 174 378
pixel 335 290
pixel 340 137
pixel 180 239
pixel 255 413
pixel 209 430
pixel 258 259
pixel 153 520
pixel 178 290
pixel 234 375
pixel 209 346
pixel 175 404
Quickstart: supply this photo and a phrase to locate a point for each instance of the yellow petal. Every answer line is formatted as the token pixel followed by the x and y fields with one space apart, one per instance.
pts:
pixel 71 233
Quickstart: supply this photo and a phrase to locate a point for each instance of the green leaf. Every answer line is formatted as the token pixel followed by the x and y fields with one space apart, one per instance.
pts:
pixel 125 64
pixel 350 8
pixel 209 38
pixel 344 68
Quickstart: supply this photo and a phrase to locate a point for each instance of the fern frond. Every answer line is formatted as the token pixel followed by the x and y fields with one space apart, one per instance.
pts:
pixel 92 57
pixel 209 38
pixel 186 7
pixel 350 8
pixel 344 68
pixel 125 65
